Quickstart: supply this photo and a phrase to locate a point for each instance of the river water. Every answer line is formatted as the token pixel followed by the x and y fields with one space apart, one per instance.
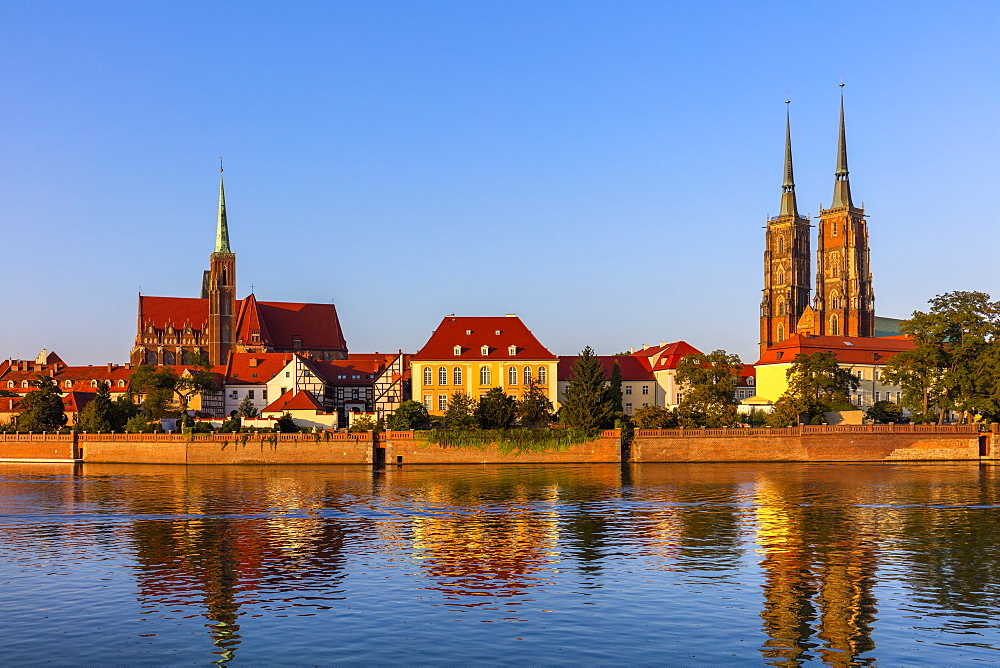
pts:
pixel 780 564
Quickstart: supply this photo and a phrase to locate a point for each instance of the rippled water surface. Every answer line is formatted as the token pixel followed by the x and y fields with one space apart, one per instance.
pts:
pixel 676 563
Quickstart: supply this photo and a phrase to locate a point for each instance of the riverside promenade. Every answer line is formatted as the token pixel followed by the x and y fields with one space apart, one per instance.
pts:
pixel 806 443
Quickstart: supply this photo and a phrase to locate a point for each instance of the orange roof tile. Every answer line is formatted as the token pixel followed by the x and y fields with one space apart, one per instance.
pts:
pixel 242 369
pixel 847 350
pixel 303 400
pixel 471 333
pixel 631 367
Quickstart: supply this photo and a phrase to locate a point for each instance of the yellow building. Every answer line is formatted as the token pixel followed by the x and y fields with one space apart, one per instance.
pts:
pixel 475 354
pixel 865 357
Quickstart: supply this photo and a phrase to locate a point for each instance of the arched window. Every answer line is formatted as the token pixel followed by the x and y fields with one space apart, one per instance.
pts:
pixel 750 381
pixel 225 277
pixel 835 301
pixel 121 383
pixel 835 271
pixel 781 307
pixel 224 306
pixel 10 383
pixel 225 334
pixel 186 357
pixel 512 350
pixel 781 333
pixel 512 376
pixel 781 244
pixel 527 375
pixel 24 383
pixel 542 375
pixel 485 350
pixel 781 277
pixel 428 376
pixel 93 383
pixel 484 376
pixel 834 325
pixel 168 358
pixel 458 350
pixel 442 376
pixel 150 357
pixel 68 383
pixel 456 376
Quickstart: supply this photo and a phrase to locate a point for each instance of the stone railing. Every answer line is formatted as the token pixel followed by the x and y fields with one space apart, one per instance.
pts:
pixel 813 429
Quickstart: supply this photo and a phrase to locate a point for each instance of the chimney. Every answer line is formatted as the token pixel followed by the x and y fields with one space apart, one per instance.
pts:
pixel 110 367
pixel 645 346
pixel 253 361
pixel 663 343
pixel 511 315
pixel 631 351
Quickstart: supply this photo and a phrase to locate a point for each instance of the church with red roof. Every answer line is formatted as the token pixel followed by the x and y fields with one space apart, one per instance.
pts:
pixel 185 330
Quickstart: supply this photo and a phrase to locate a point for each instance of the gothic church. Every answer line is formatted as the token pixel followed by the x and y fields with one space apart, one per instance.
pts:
pixel 184 330
pixel 844 303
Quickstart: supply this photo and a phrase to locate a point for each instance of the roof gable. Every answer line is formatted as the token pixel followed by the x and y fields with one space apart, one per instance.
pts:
pixel 470 336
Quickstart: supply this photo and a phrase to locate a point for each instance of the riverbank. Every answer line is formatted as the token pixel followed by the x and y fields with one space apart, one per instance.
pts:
pixel 866 443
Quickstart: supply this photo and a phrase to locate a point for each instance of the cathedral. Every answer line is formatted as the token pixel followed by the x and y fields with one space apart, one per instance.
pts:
pixel 844 303
pixel 184 330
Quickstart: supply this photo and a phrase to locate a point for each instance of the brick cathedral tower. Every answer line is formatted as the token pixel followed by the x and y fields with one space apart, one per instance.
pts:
pixel 786 261
pixel 845 301
pixel 221 289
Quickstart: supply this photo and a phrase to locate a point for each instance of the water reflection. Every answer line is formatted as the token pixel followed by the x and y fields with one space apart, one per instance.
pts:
pixel 837 564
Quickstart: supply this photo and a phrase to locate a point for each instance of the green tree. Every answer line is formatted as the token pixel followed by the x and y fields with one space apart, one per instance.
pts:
pixel 98 416
pixel 246 409
pixel 495 410
pixel 157 385
pixel 885 411
pixel 42 409
pixel 140 424
pixel 955 362
pixel 410 415
pixel 534 408
pixel 122 410
pixel 461 411
pixel 286 425
pixel 365 423
pixel 613 393
pixel 654 417
pixel 585 403
pixel 707 384
pixel 230 425
pixel 816 384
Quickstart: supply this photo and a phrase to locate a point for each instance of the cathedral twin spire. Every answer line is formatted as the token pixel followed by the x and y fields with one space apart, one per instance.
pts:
pixel 222 229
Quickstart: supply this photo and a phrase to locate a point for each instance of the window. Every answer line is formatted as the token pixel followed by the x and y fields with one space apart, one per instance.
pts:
pixel 484 376
pixel 749 381
pixel 150 357
pixel 24 383
pixel 168 358
pixel 428 376
pixel 645 389
pixel 442 402
pixel 527 375
pixel 485 350
pixel 875 371
pixel 781 246
pixel 628 389
pixel 225 334
pixel 780 354
pixel 468 332
pixel 121 383
pixel 877 395
pixel 859 398
pixel 834 325
pixel 250 393
pixel 899 397
pixel 542 375
pixel 781 333
pixel 234 394
pixel 10 383
pixel 836 271
pixel 456 376
pixel 68 383
pixel 297 344
pixel 781 306
pixel 861 374
pixel 442 376
pixel 512 350
pixel 497 332
pixel 427 401
pixel 781 281
pixel 679 397
pixel 288 374
pixel 263 394
pixel 458 350
pixel 645 403
pixel 512 376
pixel 354 393
pixel 93 383
pixel 628 409
pixel 833 230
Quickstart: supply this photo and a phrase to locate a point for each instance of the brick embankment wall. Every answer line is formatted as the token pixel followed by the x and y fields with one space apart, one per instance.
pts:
pixel 606 449
pixel 36 447
pixel 166 449
pixel 807 447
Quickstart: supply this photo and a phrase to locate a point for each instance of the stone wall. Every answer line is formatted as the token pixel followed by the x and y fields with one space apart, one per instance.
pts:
pixel 809 444
pixel 37 447
pixel 403 448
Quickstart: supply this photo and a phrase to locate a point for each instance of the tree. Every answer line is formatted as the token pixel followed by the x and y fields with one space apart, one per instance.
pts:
pixel 585 404
pixel 955 362
pixel 122 410
pixel 365 423
pixel 534 408
pixel 816 384
pixel 286 425
pixel 140 424
pixel 614 391
pixel 495 410
pixel 98 416
pixel 246 409
pixel 461 411
pixel 42 408
pixel 410 415
pixel 885 411
pixel 195 380
pixel 162 384
pixel 707 385
pixel 654 417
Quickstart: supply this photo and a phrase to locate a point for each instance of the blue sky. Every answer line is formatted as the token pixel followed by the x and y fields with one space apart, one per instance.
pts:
pixel 604 170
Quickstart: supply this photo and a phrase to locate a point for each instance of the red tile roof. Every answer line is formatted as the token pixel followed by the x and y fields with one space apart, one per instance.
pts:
pixel 632 368
pixel 669 355
pixel 301 401
pixel 178 311
pixel 847 350
pixel 471 333
pixel 332 370
pixel 242 371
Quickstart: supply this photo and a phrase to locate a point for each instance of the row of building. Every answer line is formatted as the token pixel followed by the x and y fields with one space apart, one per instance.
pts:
pixel 293 357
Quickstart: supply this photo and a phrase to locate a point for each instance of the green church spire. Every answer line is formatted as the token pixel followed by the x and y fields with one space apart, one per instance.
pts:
pixel 788 207
pixel 222 230
pixel 842 185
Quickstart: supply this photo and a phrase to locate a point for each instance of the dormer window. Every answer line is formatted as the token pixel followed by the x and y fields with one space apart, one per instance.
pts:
pixel 512 350
pixel 468 332
pixel 458 350
pixel 10 383
pixel 68 383
pixel 297 344
pixel 497 332
pixel 93 383
pixel 485 350
pixel 24 383
pixel 121 383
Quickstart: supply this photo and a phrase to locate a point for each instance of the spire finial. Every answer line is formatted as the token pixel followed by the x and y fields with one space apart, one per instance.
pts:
pixel 788 205
pixel 842 186
pixel 222 228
